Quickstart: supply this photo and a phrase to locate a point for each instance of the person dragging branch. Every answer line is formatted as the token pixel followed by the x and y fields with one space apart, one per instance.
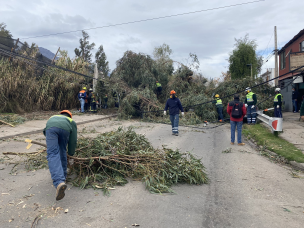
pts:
pixel 60 131
pixel 174 105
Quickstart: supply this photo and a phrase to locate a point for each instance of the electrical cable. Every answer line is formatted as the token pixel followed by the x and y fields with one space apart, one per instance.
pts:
pixel 15 55
pixel 144 20
pixel 190 106
pixel 267 44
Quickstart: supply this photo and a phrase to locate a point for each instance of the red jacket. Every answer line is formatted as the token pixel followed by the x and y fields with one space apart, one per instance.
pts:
pixel 229 110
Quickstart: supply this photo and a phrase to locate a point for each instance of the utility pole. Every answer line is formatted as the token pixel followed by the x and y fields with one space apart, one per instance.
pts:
pixel 55 55
pixel 95 79
pixel 276 74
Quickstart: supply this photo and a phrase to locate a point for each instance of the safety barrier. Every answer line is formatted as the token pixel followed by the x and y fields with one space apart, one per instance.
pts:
pixel 273 122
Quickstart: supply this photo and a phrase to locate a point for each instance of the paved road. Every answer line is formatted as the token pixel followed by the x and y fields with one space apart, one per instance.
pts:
pixel 246 190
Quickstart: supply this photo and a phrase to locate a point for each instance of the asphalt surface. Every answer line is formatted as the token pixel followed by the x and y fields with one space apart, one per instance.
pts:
pixel 246 189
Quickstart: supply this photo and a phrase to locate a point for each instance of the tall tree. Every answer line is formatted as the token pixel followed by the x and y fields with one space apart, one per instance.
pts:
pixel 4 32
pixel 244 54
pixel 85 48
pixel 6 37
pixel 101 61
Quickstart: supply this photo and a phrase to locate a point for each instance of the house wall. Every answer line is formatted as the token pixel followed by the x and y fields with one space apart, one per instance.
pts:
pixel 287 94
pixel 293 47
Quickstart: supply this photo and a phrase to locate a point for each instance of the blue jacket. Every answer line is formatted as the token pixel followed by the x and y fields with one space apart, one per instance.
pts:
pixel 82 94
pixel 174 106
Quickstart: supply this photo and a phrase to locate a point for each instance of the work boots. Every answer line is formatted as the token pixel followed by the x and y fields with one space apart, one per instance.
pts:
pixel 60 191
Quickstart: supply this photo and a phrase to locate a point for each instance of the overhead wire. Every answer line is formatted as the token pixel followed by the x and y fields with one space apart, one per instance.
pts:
pixel 191 106
pixel 144 20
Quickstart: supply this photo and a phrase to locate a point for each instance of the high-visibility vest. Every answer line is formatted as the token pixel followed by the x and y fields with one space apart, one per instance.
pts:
pixel 70 119
pixel 158 84
pixel 93 100
pixel 249 97
pixel 276 98
pixel 218 101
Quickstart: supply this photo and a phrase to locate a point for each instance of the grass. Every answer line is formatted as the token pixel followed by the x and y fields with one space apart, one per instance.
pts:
pixel 264 137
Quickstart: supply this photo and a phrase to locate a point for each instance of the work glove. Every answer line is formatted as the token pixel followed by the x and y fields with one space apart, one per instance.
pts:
pixel 183 113
pixel 252 106
pixel 278 106
pixel 165 113
pixel 71 161
pixel 246 105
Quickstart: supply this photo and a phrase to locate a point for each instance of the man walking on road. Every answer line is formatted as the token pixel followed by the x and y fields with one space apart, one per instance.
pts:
pixel 277 103
pixel 250 104
pixel 174 105
pixel 219 107
pixel 295 95
pixel 237 111
pixel 60 131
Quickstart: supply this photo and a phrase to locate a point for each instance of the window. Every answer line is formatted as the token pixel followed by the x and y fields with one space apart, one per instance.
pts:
pixel 283 60
pixel 302 46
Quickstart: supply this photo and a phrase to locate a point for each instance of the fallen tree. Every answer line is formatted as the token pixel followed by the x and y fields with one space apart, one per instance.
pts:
pixel 113 157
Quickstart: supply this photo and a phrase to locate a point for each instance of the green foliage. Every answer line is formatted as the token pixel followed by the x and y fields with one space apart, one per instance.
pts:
pixel 243 54
pixel 136 70
pixel 85 48
pixel 4 32
pixel 264 137
pixel 101 61
pixel 118 155
pixel 12 119
pixel 25 88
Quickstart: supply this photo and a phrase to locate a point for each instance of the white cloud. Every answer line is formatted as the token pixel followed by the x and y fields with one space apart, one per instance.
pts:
pixel 209 34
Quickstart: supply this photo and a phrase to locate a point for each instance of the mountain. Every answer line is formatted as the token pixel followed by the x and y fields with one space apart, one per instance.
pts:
pixel 47 53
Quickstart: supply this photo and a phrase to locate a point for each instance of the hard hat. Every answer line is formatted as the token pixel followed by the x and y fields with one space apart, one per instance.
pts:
pixel 90 89
pixel 278 89
pixel 66 111
pixel 248 89
pixel 84 88
pixel 216 95
pixel 172 92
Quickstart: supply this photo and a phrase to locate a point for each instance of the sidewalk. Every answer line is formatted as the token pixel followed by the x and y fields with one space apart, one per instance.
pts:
pixel 37 126
pixel 293 129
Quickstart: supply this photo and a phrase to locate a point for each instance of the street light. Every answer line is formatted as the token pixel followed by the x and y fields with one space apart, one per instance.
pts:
pixel 251 69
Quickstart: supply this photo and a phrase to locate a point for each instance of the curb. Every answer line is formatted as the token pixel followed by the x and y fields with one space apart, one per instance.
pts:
pixel 295 165
pixel 41 130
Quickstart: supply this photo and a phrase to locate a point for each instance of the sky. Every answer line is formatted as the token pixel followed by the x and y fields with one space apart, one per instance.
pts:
pixel 208 34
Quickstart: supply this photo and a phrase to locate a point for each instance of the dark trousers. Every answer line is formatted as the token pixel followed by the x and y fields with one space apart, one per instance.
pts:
pixel 295 105
pixel 278 112
pixel 220 113
pixel 251 114
pixel 56 141
pixel 174 122
pixel 93 107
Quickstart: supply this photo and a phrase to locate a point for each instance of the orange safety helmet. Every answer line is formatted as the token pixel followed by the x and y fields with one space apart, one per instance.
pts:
pixel 66 111
pixel 172 92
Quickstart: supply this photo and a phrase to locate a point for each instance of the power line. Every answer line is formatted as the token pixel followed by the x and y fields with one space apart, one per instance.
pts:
pixel 267 44
pixel 143 20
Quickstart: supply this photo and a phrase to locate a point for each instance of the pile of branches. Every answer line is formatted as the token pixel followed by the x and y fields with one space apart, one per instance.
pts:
pixel 11 119
pixel 112 157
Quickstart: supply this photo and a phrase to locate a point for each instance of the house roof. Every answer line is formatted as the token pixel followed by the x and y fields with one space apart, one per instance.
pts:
pixel 292 40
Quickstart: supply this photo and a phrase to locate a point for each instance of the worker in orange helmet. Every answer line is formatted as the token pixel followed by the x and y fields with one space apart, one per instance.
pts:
pixel 174 105
pixel 60 131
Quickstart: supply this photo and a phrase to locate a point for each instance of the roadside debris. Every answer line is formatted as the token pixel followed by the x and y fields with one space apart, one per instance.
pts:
pixel 112 157
pixel 228 150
